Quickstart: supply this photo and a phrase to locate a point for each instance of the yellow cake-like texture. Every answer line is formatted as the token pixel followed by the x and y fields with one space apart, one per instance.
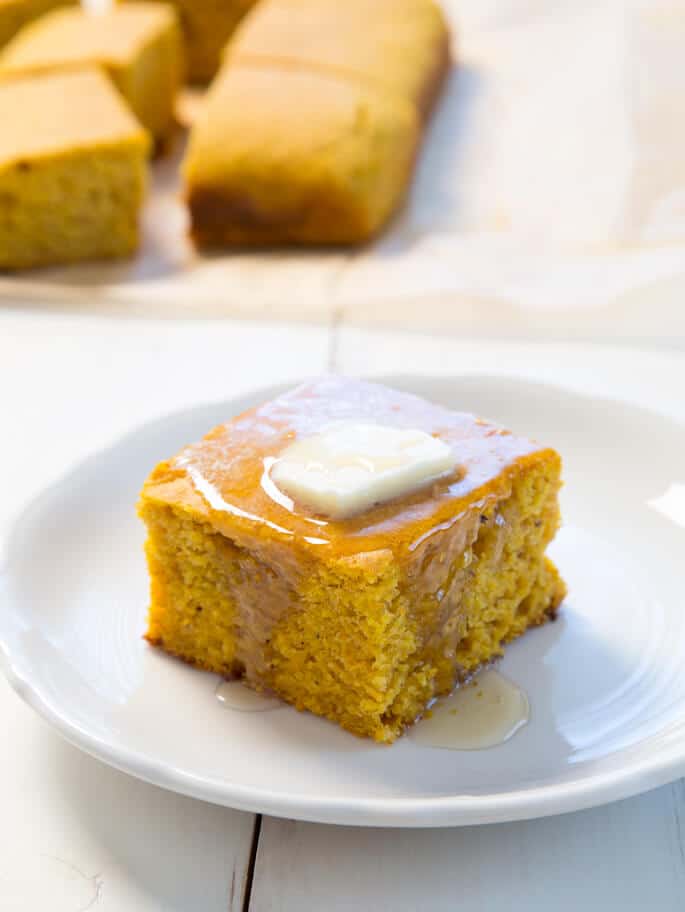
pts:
pixel 139 46
pixel 254 179
pixel 313 123
pixel 15 14
pixel 401 46
pixel 364 620
pixel 72 170
pixel 207 26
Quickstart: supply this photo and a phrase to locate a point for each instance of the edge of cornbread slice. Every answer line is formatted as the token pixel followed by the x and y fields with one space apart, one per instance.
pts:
pixel 282 155
pixel 207 25
pixel 313 124
pixel 399 46
pixel 15 14
pixel 365 620
pixel 138 45
pixel 72 170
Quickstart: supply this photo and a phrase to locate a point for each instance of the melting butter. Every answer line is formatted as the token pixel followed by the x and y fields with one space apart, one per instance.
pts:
pixel 351 466
pixel 483 713
pixel 238 696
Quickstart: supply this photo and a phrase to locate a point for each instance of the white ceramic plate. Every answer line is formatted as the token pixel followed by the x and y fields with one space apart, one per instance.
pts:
pixel 606 682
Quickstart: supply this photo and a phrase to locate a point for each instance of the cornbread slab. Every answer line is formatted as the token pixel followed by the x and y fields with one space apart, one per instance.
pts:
pixel 363 620
pixel 138 45
pixel 15 14
pixel 72 170
pixel 312 158
pixel 313 124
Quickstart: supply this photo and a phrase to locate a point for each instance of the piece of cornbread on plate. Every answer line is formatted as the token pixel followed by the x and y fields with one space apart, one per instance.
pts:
pixel 363 618
pixel 401 46
pixel 15 14
pixel 138 45
pixel 72 170
pixel 292 156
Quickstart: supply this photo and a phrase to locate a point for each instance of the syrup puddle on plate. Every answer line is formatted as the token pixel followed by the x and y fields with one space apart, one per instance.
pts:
pixel 238 696
pixel 483 713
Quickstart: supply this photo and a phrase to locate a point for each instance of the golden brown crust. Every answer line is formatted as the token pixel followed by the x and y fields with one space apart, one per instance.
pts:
pixel 219 219
pixel 436 83
pixel 397 46
pixel 254 180
pixel 250 181
pixel 138 45
pixel 16 14
pixel 207 26
pixel 73 167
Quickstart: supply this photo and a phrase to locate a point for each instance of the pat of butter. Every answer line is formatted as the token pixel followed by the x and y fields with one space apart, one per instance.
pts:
pixel 350 467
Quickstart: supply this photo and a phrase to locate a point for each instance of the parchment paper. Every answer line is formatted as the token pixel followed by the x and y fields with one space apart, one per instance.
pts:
pixel 549 198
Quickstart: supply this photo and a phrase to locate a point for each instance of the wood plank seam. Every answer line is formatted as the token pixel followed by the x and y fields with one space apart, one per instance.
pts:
pixel 334 329
pixel 678 795
pixel 252 863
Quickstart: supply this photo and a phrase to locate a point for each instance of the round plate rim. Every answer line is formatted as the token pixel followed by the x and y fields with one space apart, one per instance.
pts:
pixel 633 778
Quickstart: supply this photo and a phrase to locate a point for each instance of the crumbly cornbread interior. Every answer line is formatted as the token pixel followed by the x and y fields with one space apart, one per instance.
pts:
pixel 72 171
pixel 365 639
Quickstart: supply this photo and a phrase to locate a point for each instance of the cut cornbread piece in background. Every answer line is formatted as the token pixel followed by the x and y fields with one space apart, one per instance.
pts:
pixel 362 620
pixel 400 45
pixel 207 26
pixel 139 45
pixel 15 14
pixel 280 155
pixel 72 170
pixel 313 123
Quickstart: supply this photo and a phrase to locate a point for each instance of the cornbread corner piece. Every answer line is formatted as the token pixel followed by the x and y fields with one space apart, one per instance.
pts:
pixel 207 26
pixel 402 46
pixel 284 156
pixel 15 14
pixel 139 45
pixel 72 170
pixel 362 620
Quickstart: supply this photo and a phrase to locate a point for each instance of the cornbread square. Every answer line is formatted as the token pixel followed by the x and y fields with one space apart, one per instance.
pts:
pixel 207 26
pixel 314 121
pixel 402 46
pixel 363 620
pixel 72 170
pixel 15 14
pixel 139 45
pixel 294 156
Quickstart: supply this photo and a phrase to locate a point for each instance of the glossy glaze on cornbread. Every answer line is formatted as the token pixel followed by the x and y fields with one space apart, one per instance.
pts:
pixel 362 620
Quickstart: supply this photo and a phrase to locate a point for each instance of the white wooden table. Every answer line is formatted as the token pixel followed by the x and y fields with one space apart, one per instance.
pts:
pixel 75 835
